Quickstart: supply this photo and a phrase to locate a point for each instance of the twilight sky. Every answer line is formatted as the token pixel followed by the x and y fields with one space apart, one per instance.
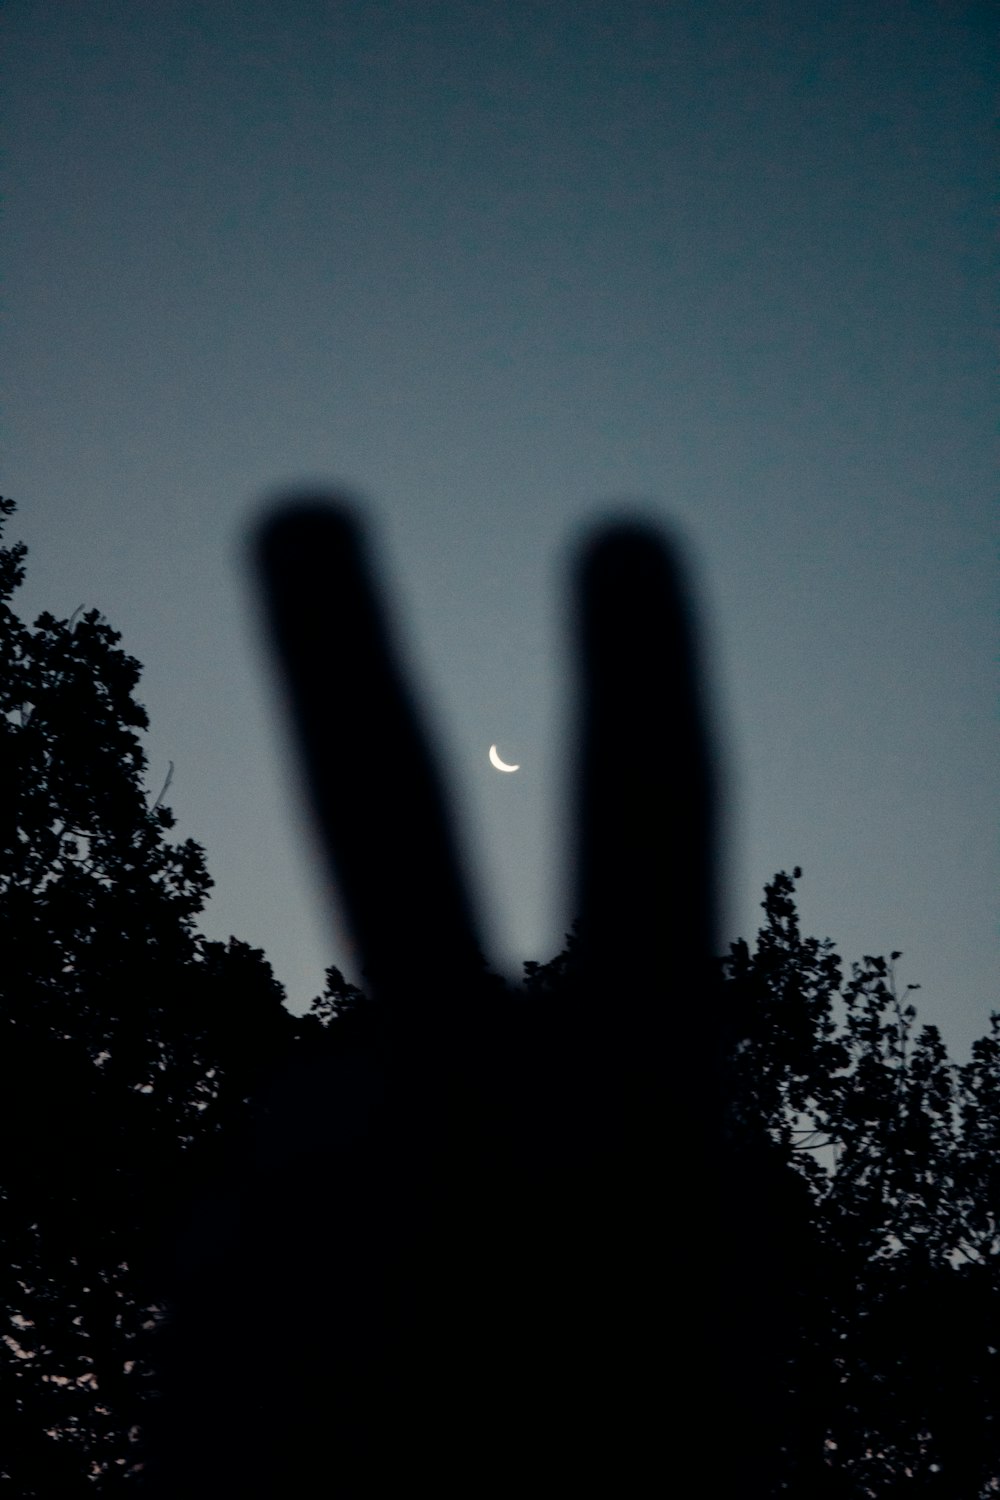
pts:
pixel 497 268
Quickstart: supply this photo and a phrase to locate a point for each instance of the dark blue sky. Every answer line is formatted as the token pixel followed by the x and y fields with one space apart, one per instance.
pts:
pixel 496 268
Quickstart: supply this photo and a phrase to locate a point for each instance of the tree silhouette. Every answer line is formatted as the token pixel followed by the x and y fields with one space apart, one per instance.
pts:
pixel 893 1360
pixel 129 1044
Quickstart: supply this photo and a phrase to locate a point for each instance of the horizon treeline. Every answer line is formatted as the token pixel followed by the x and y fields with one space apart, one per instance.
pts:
pixel 142 1070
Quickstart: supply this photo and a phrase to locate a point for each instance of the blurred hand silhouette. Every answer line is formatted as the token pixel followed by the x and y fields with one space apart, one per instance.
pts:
pixel 491 1246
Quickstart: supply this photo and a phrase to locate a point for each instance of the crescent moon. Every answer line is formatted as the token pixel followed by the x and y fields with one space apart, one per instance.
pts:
pixel 501 765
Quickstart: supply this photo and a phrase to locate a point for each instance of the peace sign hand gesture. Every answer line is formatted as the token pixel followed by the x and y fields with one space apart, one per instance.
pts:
pixel 493 1237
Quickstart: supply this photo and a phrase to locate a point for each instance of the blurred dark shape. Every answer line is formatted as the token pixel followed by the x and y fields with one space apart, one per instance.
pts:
pixel 490 1240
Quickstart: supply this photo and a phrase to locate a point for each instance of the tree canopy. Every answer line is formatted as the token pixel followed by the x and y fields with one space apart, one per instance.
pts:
pixel 129 1040
pixel 896 1347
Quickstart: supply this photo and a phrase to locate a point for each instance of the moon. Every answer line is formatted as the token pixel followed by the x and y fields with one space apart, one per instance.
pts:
pixel 501 765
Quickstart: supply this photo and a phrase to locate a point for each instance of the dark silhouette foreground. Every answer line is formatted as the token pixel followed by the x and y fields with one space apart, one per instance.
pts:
pixel 460 1234
pixel 487 1246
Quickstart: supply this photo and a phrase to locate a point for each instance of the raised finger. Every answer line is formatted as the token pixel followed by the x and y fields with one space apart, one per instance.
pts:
pixel 646 792
pixel 374 789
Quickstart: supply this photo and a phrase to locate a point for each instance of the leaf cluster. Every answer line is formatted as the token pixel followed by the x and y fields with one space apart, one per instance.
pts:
pixel 130 1047
pixel 898 1331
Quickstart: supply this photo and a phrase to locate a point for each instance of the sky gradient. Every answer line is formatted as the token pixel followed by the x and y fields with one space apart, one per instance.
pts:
pixel 496 271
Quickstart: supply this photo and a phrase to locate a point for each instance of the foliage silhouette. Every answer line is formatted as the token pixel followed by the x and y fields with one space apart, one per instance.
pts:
pixel 130 1044
pixel 895 1351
